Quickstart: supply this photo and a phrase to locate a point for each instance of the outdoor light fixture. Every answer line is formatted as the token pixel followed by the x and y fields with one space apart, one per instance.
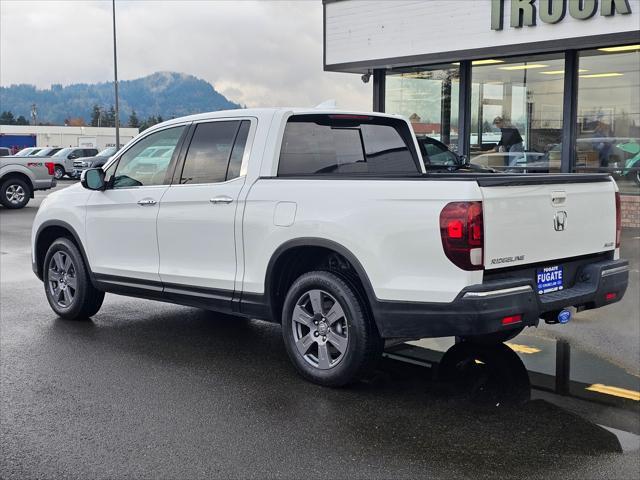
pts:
pixel 524 67
pixel 488 61
pixel 560 72
pixel 624 48
pixel 602 75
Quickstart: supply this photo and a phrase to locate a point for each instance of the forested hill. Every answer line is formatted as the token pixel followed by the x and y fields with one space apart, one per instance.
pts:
pixel 165 94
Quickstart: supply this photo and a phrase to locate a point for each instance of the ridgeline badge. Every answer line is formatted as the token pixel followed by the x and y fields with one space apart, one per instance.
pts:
pixel 523 12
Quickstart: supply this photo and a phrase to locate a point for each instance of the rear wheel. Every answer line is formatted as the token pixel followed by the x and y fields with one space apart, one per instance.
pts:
pixel 15 193
pixel 67 284
pixel 327 333
pixel 58 172
pixel 493 338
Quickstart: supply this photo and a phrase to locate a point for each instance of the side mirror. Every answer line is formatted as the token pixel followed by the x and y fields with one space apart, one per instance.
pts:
pixel 93 179
pixel 73 156
pixel 464 160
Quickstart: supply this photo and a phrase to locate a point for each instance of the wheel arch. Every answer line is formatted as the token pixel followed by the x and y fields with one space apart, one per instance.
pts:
pixel 281 271
pixel 47 233
pixel 22 176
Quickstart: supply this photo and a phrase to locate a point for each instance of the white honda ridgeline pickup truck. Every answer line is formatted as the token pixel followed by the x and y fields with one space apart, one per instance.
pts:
pixel 330 223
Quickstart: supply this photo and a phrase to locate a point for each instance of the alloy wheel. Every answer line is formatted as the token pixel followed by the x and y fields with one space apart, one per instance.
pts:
pixel 320 329
pixel 62 279
pixel 15 194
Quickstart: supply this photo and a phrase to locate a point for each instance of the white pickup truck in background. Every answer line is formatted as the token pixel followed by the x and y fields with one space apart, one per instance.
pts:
pixel 329 223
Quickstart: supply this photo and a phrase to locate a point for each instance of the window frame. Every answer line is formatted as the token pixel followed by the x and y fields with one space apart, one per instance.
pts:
pixel 177 153
pixel 175 179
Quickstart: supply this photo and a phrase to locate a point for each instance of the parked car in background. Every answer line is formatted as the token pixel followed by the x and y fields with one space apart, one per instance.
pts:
pixel 5 152
pixel 21 176
pixel 521 162
pixel 632 164
pixel 81 164
pixel 25 152
pixel 329 223
pixel 48 151
pixel 436 155
pixel 63 160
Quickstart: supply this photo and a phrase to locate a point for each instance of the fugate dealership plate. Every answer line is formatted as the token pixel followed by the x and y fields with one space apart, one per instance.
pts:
pixel 549 279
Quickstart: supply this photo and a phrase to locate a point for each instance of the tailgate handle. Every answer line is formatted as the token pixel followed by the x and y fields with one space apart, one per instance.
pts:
pixel 558 198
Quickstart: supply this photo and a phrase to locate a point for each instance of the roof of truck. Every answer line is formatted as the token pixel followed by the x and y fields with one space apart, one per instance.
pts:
pixel 268 112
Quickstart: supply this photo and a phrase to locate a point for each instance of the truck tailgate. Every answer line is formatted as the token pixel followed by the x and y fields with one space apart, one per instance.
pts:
pixel 535 223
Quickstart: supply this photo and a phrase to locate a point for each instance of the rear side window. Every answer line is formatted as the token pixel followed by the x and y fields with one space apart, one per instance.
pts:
pixel 212 156
pixel 346 144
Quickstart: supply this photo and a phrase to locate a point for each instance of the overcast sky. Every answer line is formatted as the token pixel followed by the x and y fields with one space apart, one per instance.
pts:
pixel 264 53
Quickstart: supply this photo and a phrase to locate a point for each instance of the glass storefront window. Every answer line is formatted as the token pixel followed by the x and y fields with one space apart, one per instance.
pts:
pixel 428 97
pixel 516 113
pixel 608 129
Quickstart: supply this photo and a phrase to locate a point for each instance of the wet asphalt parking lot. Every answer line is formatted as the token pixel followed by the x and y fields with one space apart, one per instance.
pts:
pixel 152 390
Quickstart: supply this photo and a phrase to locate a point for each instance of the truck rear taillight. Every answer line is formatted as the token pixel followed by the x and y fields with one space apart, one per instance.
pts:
pixel 618 220
pixel 50 167
pixel 462 233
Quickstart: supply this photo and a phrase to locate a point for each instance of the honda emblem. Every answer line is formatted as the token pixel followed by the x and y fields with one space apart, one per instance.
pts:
pixel 560 221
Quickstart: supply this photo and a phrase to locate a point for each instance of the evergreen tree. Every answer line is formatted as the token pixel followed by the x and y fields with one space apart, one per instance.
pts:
pixel 134 122
pixel 111 117
pixel 95 115
pixel 6 118
pixel 21 121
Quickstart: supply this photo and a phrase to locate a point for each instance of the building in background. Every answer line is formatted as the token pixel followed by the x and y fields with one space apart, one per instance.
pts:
pixel 531 86
pixel 17 137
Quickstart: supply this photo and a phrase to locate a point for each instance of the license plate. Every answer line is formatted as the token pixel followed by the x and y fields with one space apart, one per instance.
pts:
pixel 549 279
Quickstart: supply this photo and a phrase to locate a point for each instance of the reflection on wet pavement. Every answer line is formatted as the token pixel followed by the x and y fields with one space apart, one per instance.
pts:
pixel 518 376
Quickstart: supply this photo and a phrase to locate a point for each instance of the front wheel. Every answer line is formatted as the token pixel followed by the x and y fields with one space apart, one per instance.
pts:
pixel 67 284
pixel 327 333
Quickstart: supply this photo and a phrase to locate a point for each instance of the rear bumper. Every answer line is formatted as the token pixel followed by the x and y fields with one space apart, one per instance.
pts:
pixel 479 309
pixel 44 184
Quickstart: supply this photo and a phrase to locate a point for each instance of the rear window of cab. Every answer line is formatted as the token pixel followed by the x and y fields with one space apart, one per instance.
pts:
pixel 346 145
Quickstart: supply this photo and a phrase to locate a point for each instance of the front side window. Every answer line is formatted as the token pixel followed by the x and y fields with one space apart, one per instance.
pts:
pixel 209 153
pixel 345 144
pixel 63 153
pixel 146 163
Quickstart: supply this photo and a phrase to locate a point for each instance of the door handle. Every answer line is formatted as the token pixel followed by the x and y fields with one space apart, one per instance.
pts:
pixel 221 199
pixel 147 201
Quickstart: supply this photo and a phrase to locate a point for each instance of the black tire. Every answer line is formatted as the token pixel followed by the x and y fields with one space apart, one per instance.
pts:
pixel 15 193
pixel 493 338
pixel 58 172
pixel 78 303
pixel 357 334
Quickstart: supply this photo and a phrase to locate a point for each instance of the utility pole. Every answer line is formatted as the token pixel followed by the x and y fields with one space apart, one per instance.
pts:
pixel 115 71
pixel 34 113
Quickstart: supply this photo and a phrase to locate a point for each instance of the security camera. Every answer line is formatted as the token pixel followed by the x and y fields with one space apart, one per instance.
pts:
pixel 365 78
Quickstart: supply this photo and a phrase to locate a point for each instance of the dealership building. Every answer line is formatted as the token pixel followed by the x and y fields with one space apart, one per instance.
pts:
pixel 16 137
pixel 564 75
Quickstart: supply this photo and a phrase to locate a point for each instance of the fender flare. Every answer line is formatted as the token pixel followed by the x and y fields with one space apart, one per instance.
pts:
pixel 20 170
pixel 37 266
pixel 328 244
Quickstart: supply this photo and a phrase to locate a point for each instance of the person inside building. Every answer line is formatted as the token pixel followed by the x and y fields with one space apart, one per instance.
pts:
pixel 510 141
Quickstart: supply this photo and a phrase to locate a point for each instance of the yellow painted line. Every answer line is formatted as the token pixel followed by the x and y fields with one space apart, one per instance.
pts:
pixel 615 391
pixel 523 348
